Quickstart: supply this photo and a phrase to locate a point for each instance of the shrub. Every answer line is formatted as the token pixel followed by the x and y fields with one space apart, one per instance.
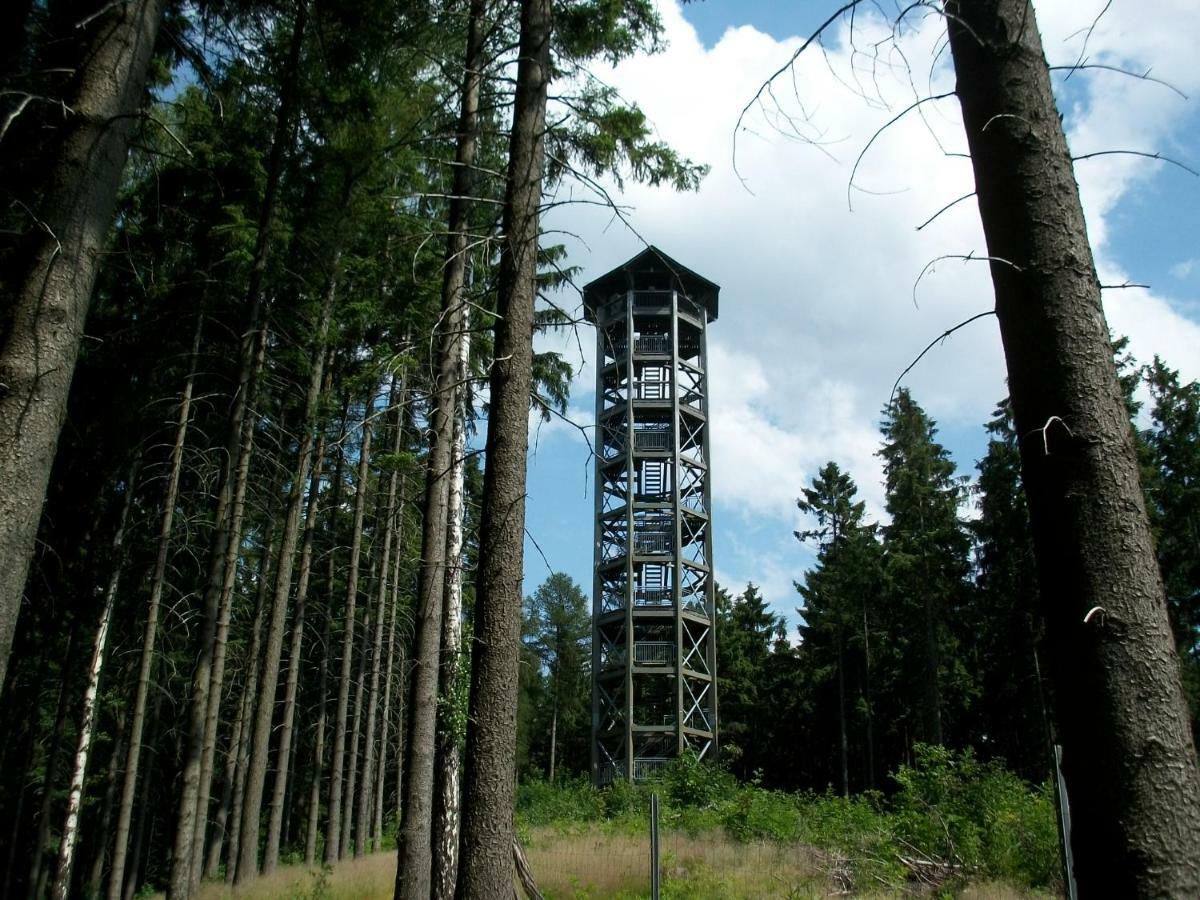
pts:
pixel 952 807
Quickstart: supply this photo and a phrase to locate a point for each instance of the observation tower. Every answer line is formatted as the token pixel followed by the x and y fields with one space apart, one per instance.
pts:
pixel 654 674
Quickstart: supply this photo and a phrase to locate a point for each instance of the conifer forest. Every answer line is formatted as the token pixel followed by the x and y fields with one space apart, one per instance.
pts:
pixel 276 288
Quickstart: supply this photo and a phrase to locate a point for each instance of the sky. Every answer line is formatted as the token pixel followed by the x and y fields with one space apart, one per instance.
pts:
pixel 828 288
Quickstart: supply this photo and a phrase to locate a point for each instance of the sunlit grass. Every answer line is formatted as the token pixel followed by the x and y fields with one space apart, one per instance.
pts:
pixel 596 863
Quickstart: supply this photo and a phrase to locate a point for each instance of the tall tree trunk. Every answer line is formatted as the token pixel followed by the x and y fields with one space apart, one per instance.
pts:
pixel 279 610
pixel 220 822
pixel 246 711
pixel 489 776
pixel 333 826
pixel 252 356
pixel 389 675
pixel 1129 759
pixel 868 701
pixel 349 820
pixel 366 804
pixel 158 579
pixel 37 870
pixel 448 799
pixel 260 741
pixel 70 832
pixel 185 863
pixel 845 744
pixel 314 797
pixel 103 826
pixel 212 724
pixel 43 323
pixel 133 871
pixel 415 869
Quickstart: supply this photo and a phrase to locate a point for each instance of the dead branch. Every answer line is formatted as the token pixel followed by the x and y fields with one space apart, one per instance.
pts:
pixel 937 340
pixel 1144 153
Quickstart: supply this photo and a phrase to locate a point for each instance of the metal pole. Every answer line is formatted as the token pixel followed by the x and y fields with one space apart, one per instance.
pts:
pixel 1064 824
pixel 654 878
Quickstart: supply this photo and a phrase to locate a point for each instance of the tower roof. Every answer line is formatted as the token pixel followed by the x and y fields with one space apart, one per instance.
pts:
pixel 651 270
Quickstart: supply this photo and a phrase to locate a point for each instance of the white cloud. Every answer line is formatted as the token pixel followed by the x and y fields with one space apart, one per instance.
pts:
pixel 818 314
pixel 1184 268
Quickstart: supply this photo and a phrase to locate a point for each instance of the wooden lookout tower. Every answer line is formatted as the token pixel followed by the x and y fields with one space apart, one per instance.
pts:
pixel 654 688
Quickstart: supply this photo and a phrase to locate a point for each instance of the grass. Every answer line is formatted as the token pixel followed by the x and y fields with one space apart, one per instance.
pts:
pixel 596 862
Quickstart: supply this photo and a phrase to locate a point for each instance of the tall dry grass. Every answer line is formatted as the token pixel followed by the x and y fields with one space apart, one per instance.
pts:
pixel 595 864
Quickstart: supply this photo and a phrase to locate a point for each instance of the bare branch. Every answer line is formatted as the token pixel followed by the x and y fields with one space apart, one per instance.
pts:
pixel 969 257
pixel 812 38
pixel 1144 76
pixel 890 122
pixel 937 340
pixel 949 205
pixel 1087 37
pixel 1144 153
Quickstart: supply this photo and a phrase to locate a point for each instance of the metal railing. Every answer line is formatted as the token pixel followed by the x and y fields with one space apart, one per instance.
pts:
pixel 646 768
pixel 653 439
pixel 653 541
pixel 653 653
pixel 656 597
pixel 653 343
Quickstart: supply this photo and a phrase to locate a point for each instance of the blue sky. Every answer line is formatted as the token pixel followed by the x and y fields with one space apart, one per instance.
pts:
pixel 818 310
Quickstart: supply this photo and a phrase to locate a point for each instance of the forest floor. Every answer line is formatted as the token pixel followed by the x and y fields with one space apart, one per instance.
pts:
pixel 596 863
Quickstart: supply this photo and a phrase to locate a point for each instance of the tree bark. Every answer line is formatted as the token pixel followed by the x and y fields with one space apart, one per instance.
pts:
pixel 414 875
pixel 1129 760
pixel 246 710
pixel 489 776
pixel 158 579
pixel 252 355
pixel 43 323
pixel 103 826
pixel 37 870
pixel 333 825
pixel 389 674
pixel 279 609
pixel 212 723
pixel 448 799
pixel 260 742
pixel 314 797
pixel 70 833
pixel 366 800
pixel 349 820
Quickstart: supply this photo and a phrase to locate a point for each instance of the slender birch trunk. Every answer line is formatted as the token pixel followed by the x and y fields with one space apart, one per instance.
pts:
pixel 70 832
pixel 37 870
pixel 333 828
pixel 414 875
pixel 448 809
pixel 247 864
pixel 489 775
pixel 116 877
pixel 103 827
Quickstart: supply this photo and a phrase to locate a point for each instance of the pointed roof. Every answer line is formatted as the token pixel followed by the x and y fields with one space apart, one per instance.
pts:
pixel 651 270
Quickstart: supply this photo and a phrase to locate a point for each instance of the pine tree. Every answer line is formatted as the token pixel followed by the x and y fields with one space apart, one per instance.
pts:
pixel 926 560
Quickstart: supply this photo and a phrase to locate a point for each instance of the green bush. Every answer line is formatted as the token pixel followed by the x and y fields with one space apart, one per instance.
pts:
pixel 757 814
pixel 952 807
